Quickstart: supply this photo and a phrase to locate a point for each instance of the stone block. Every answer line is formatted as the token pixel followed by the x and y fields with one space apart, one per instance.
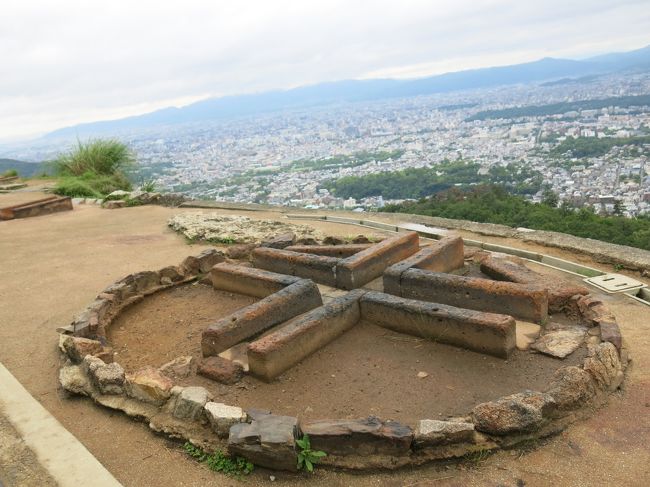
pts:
pixel 179 368
pixel 252 320
pixel 271 355
pixel 280 241
pixel 368 436
pixel 524 301
pixel 431 432
pixel 220 370
pixel 609 332
pixel 108 378
pixel 482 332
pixel 74 379
pixel 524 412
pixel 190 403
pixel 202 263
pixel 248 280
pixel 364 266
pixel 571 388
pixel 77 348
pixel 223 417
pixel 149 385
pixel 339 251
pixel 319 268
pixel 560 343
pixel 268 441
pixel 605 367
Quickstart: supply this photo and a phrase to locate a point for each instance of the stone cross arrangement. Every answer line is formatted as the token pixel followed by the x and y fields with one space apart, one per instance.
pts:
pixel 309 295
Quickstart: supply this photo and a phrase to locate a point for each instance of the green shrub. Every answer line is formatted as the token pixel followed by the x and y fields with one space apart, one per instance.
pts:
pixel 76 188
pixel 90 185
pixel 99 156
pixel 307 457
pixel 148 186
pixel 219 461
pixel 10 173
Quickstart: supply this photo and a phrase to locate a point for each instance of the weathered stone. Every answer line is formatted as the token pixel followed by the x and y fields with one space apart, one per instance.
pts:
pixel 361 239
pixel 73 379
pixel 320 268
pixel 172 272
pixel 203 262
pixel 433 432
pixel 190 402
pixel 605 367
pixel 179 368
pixel 222 417
pixel 220 369
pixel 332 240
pixel 131 407
pixel 339 251
pixel 571 388
pixel 268 441
pixel 106 355
pixel 307 241
pixel 280 241
pixel 560 343
pixel 149 385
pixel 77 348
pixel 240 251
pixel 114 204
pixel 109 378
pixel 249 280
pixel 609 332
pixel 368 436
pixel 519 413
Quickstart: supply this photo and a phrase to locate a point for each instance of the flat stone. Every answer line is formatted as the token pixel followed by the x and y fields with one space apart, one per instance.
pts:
pixel 280 241
pixel 74 379
pixel 571 388
pixel 367 436
pixel 220 369
pixel 527 333
pixel 149 385
pixel 77 348
pixel 431 432
pixel 222 417
pixel 519 413
pixel 190 402
pixel 560 343
pixel 605 367
pixel 179 368
pixel 269 441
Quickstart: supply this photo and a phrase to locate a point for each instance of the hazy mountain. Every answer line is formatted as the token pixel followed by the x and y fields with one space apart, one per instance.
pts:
pixel 363 90
pixel 25 169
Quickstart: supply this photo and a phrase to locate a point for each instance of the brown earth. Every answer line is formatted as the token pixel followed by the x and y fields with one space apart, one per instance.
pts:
pixel 52 266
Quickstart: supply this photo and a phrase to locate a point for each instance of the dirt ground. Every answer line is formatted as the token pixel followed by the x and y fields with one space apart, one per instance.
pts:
pixel 52 266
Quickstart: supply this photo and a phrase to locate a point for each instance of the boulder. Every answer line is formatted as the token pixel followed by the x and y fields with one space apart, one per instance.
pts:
pixel 149 385
pixel 268 441
pixel 240 251
pixel 221 370
pixel 77 348
pixel 519 413
pixel 222 417
pixel 172 273
pixel 571 388
pixel 190 402
pixel 432 432
pixel 604 366
pixel 367 436
pixel 74 379
pixel 202 263
pixel 280 241
pixel 108 378
pixel 179 368
pixel 561 342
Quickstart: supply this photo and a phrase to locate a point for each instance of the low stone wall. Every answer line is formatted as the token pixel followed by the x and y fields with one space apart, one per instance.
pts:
pixel 44 206
pixel 340 251
pixel 277 352
pixel 488 333
pixel 523 301
pixel 317 267
pixel 249 281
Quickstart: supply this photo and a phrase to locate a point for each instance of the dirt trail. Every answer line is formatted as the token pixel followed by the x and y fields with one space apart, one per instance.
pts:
pixel 52 266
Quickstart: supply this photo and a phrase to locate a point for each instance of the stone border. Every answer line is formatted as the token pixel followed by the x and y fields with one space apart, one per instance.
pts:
pixel 269 440
pixel 44 206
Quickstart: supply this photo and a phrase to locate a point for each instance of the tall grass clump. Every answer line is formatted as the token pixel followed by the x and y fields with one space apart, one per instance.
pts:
pixel 94 169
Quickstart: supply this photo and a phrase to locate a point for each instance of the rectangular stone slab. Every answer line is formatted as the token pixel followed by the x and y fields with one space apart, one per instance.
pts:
pixel 271 355
pixel 248 280
pixel 252 320
pixel 340 251
pixel 44 206
pixel 488 333
pixel 525 301
pixel 364 266
pixel 320 268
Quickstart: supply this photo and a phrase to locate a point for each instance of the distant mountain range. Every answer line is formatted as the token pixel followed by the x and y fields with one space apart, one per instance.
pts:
pixel 364 90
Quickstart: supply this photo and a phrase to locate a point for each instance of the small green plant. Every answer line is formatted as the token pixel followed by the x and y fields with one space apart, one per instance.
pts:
pixel 618 267
pixel 148 186
pixel 308 457
pixel 219 461
pixel 9 173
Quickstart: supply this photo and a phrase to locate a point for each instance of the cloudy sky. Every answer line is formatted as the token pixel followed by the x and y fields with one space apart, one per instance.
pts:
pixel 64 62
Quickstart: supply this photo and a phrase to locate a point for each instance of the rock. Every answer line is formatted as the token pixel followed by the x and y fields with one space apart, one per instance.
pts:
pixel 106 355
pixel 240 251
pixel 560 343
pixel 307 241
pixel 179 368
pixel 361 239
pixel 190 402
pixel 118 194
pixel 605 367
pixel 74 379
pixel 433 432
pixel 77 348
pixel 222 417
pixel 221 370
pixel 519 413
pixel 280 241
pixel 268 441
pixel 144 197
pixel 571 388
pixel 368 436
pixel 149 385
pixel 331 240
pixel 422 375
pixel 131 407
pixel 171 199
pixel 172 272
pixel 114 204
pixel 109 378
pixel 609 332
pixel 202 263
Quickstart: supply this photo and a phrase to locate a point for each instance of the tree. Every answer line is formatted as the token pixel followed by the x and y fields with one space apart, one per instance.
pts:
pixel 618 208
pixel 549 198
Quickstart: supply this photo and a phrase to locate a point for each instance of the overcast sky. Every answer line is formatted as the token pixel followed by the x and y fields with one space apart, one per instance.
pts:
pixel 64 62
